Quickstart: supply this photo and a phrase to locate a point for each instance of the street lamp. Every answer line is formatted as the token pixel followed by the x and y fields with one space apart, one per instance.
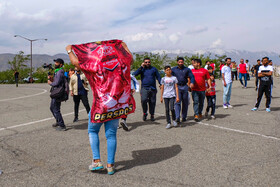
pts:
pixel 30 49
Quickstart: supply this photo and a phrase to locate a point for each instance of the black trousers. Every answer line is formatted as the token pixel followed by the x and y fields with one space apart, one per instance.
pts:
pixel 148 96
pixel 77 99
pixel 55 109
pixel 257 80
pixel 169 106
pixel 234 74
pixel 211 103
pixel 16 79
pixel 264 88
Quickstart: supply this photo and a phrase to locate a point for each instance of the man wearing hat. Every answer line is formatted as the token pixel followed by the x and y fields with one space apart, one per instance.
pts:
pixel 58 80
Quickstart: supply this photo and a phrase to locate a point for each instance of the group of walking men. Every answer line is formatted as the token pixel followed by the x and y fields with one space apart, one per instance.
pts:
pixel 192 78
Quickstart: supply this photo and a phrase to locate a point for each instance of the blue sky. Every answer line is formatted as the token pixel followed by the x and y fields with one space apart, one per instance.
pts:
pixel 145 25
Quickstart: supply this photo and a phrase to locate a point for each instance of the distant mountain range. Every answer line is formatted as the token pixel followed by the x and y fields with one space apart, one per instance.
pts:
pixel 39 59
pixel 235 55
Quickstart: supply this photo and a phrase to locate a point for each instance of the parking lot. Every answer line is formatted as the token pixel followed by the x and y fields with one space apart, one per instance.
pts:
pixel 238 148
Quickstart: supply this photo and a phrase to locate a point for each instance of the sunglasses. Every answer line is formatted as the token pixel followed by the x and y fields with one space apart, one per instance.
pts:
pixel 147 62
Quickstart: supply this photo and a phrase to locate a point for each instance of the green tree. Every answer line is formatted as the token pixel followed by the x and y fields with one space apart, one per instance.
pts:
pixel 157 60
pixel 19 61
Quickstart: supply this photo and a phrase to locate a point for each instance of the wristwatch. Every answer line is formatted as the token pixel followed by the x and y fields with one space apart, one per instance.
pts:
pixel 69 51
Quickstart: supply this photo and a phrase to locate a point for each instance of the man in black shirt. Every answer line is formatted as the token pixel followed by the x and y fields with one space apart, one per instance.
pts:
pixel 16 74
pixel 256 69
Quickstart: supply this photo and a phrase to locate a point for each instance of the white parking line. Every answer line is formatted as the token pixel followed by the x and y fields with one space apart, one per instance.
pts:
pixel 234 130
pixel 33 122
pixel 26 95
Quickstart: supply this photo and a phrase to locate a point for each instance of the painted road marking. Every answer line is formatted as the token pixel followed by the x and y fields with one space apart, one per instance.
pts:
pixel 234 130
pixel 44 91
pixel 33 122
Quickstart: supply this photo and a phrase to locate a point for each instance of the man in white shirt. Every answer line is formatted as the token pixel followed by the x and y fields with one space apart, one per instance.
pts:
pixel 265 75
pixel 227 82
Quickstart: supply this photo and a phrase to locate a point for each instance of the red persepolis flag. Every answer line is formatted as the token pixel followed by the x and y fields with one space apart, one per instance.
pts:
pixel 106 65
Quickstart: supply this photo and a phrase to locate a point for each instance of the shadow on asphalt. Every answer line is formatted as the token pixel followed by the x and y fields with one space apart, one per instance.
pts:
pixel 134 125
pixel 80 125
pixel 238 105
pixel 275 108
pixel 149 156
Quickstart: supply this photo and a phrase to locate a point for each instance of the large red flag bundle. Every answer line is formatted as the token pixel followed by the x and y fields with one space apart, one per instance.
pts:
pixel 106 65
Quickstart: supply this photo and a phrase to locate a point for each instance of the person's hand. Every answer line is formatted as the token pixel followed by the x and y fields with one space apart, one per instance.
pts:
pixel 191 85
pixel 49 82
pixel 177 100
pixel 72 93
pixel 132 91
pixel 143 64
pixel 68 48
pixel 161 100
pixel 225 84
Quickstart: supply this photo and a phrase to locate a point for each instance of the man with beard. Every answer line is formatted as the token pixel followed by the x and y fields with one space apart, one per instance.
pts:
pixel 182 74
pixel 265 75
pixel 149 74
pixel 58 80
pixel 198 91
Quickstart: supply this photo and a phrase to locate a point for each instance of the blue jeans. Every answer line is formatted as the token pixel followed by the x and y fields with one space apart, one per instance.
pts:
pixel 183 97
pixel 227 93
pixel 111 128
pixel 55 109
pixel 245 78
pixel 198 101
pixel 211 103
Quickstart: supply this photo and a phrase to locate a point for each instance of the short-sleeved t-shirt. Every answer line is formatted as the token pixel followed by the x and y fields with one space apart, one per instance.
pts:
pixel 169 86
pixel 200 76
pixel 212 89
pixel 227 73
pixel 106 65
pixel 266 79
pixel 242 68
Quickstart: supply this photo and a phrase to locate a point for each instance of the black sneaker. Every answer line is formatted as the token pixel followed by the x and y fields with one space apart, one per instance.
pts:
pixel 184 119
pixel 145 117
pixel 178 120
pixel 123 124
pixel 152 118
pixel 59 128
pixel 75 120
pixel 55 125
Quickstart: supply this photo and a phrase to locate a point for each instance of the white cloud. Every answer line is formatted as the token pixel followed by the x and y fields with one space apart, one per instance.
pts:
pixel 217 43
pixel 160 25
pixel 174 38
pixel 139 37
pixel 197 29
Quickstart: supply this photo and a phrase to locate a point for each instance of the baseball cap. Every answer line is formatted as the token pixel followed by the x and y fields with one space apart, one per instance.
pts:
pixel 59 60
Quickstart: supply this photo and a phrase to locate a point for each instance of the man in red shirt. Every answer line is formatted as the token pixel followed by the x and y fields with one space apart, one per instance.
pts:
pixel 242 72
pixel 198 91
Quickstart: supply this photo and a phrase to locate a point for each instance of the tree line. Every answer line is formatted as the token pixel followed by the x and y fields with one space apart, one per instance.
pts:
pixel 21 62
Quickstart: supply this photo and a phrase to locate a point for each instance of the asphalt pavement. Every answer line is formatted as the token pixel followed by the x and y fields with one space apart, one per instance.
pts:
pixel 238 148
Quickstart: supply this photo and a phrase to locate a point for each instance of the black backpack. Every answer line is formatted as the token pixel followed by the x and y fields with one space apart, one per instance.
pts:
pixel 65 95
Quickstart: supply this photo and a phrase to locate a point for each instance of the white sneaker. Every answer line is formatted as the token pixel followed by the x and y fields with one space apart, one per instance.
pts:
pixel 168 126
pixel 213 117
pixel 225 106
pixel 229 106
pixel 175 124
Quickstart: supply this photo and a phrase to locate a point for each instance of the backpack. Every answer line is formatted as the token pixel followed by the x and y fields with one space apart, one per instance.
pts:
pixel 65 95
pixel 64 91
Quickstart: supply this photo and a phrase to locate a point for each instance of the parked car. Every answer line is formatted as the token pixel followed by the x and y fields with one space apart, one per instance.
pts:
pixel 30 79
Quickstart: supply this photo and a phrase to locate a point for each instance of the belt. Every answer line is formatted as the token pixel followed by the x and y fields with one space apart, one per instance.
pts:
pixel 181 84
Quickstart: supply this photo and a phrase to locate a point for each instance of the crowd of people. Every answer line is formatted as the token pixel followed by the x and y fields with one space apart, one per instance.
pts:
pixel 177 87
